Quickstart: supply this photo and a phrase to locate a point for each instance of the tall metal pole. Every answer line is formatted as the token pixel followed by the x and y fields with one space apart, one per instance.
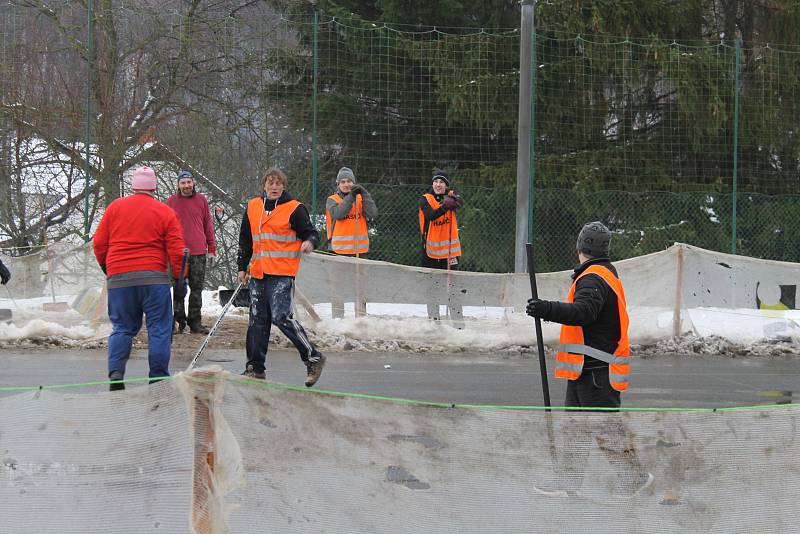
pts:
pixel 315 61
pixel 88 137
pixel 524 136
pixel 734 199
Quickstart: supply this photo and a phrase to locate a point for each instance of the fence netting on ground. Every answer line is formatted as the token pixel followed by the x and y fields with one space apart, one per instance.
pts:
pixel 210 452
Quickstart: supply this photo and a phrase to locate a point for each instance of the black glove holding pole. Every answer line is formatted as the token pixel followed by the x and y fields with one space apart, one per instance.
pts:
pixel 538 308
pixel 356 190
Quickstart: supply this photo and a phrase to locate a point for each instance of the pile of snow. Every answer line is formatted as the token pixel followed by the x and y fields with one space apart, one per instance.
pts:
pixel 406 328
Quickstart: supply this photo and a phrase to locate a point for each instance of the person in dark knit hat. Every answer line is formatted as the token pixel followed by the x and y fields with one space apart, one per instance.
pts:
pixel 198 233
pixel 137 239
pixel 594 356
pixel 347 211
pixel 438 226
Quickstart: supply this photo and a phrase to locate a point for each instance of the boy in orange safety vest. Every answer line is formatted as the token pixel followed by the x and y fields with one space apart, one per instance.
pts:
pixel 441 245
pixel 593 355
pixel 276 231
pixel 347 211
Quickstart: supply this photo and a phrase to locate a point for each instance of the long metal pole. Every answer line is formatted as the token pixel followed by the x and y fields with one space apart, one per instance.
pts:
pixel 88 136
pixel 315 61
pixel 524 136
pixel 734 199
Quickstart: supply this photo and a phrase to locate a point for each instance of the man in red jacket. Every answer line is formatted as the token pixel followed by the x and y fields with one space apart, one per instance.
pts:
pixel 137 239
pixel 198 234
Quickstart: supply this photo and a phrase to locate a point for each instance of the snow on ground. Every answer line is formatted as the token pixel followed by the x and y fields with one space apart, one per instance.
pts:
pixel 406 327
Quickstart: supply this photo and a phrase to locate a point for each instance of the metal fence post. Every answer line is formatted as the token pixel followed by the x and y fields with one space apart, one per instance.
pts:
pixel 734 199
pixel 524 152
pixel 88 137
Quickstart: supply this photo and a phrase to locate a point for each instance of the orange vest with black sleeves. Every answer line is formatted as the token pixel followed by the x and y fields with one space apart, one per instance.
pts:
pixel 442 239
pixel 276 247
pixel 571 349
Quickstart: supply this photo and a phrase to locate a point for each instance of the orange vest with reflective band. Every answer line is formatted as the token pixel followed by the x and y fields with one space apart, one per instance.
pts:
pixel 276 248
pixel 442 239
pixel 349 235
pixel 570 364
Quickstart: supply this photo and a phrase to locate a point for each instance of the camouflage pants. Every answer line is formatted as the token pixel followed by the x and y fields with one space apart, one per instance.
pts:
pixel 195 278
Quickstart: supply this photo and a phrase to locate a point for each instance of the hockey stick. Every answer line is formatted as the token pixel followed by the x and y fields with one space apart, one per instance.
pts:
pixel 539 341
pixel 542 361
pixel 214 328
pixel 357 304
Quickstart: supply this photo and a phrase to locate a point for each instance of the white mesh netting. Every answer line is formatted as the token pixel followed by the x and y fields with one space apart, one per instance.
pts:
pixel 212 452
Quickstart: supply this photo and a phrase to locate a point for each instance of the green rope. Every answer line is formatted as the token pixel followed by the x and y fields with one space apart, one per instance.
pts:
pixel 398 400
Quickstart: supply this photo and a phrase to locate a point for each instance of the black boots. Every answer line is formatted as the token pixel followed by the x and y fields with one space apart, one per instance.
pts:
pixel 116 375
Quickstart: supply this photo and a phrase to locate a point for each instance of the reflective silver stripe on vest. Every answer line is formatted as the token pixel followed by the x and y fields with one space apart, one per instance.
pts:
pixel 275 237
pixel 593 352
pixel 348 247
pixel 614 377
pixel 349 238
pixel 276 254
pixel 567 366
pixel 443 243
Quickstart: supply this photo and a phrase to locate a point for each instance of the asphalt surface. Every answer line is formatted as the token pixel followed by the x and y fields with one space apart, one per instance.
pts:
pixel 480 378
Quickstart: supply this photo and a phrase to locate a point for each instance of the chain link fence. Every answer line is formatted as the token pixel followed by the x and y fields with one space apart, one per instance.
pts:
pixel 663 141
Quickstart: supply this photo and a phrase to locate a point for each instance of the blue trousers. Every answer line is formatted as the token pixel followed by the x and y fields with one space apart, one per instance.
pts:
pixel 271 303
pixel 125 308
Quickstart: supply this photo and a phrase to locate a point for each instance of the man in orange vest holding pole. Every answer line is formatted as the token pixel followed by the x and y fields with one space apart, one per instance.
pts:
pixel 593 355
pixel 441 245
pixel 276 230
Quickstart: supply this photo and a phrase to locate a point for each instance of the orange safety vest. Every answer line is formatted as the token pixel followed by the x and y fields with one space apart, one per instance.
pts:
pixel 348 235
pixel 276 248
pixel 569 359
pixel 442 239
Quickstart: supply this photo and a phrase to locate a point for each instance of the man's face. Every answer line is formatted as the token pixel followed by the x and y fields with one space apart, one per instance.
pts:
pixel 439 187
pixel 273 187
pixel 345 184
pixel 186 186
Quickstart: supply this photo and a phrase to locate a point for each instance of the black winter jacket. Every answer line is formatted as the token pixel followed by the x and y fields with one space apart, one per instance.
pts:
pixel 594 307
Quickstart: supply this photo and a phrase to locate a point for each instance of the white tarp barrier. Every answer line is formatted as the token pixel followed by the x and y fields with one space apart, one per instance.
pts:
pixel 681 290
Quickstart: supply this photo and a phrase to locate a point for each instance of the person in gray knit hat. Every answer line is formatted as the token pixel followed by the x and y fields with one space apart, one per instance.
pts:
pixel 347 211
pixel 594 356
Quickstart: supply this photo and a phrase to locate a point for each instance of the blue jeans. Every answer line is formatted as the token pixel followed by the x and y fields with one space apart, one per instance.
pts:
pixel 271 303
pixel 125 308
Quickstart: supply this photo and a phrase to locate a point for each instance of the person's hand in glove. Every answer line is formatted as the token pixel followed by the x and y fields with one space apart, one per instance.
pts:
pixel 357 189
pixel 179 289
pixel 449 203
pixel 538 308
pixel 5 274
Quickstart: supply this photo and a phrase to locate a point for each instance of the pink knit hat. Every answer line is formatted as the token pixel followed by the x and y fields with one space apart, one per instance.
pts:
pixel 144 179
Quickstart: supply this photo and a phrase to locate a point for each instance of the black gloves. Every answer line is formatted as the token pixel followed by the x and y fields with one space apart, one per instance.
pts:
pixel 449 203
pixel 5 274
pixel 356 189
pixel 179 289
pixel 538 308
